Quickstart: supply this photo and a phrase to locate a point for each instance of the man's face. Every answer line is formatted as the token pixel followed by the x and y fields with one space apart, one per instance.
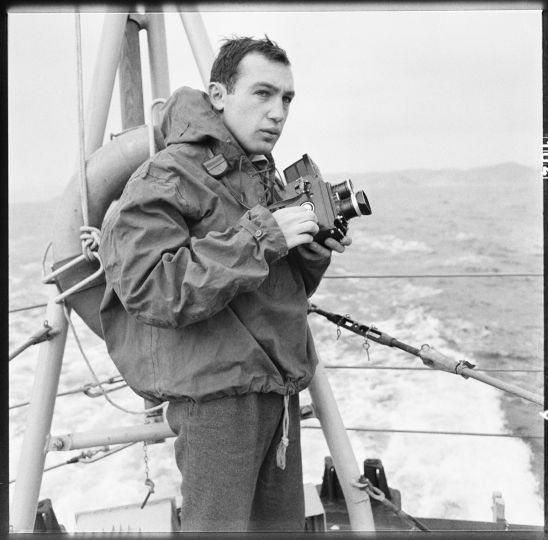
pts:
pixel 256 111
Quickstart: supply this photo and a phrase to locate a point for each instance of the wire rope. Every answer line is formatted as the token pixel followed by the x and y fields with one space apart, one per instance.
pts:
pixel 427 276
pixel 85 458
pixel 432 432
pixel 350 276
pixel 27 308
pixel 82 389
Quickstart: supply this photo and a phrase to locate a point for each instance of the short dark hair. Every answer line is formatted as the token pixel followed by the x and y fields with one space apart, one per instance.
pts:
pixel 232 52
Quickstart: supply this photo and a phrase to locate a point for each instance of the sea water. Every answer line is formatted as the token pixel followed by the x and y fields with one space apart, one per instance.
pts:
pixel 424 223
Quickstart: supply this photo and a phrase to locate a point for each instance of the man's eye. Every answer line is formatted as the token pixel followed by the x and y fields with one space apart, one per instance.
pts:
pixel 263 93
pixel 287 100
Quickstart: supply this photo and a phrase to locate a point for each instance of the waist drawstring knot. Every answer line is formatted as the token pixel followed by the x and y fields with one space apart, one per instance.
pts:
pixel 284 441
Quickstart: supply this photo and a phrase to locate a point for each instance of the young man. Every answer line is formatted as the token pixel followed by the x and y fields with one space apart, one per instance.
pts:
pixel 206 298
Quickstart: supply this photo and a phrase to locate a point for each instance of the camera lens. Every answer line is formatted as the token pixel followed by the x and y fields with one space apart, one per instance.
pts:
pixel 344 189
pixel 363 203
pixel 347 208
pixel 355 205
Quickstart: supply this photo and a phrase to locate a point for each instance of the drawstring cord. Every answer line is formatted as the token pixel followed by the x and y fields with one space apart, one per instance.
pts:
pixel 284 441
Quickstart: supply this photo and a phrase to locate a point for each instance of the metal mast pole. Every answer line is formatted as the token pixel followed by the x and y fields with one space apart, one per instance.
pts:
pixel 199 42
pixel 33 451
pixel 157 54
pixel 104 75
pixel 130 78
pixel 346 466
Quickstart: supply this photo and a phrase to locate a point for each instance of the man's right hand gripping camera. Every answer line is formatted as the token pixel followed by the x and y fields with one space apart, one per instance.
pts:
pixel 333 204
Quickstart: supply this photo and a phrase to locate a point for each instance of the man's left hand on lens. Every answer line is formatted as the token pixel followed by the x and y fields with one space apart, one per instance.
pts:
pixel 316 251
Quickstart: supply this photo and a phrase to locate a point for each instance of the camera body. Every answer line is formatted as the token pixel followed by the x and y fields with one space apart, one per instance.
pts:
pixel 333 204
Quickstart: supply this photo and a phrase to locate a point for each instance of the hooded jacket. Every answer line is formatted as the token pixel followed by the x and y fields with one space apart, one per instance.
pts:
pixel 203 299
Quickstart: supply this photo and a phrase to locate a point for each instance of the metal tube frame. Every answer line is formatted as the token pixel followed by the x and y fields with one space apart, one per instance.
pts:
pixel 357 501
pixel 104 75
pixel 120 435
pixel 130 78
pixel 40 415
pixel 157 55
pixel 200 44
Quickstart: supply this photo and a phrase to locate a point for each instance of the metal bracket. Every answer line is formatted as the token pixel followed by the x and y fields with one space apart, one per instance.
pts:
pixel 436 360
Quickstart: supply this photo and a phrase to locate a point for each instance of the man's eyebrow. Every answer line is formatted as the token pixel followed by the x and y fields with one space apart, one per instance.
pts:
pixel 274 88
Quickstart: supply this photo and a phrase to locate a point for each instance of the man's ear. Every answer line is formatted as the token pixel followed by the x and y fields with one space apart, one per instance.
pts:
pixel 217 93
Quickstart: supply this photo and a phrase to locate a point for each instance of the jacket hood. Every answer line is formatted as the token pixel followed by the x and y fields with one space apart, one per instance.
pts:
pixel 188 117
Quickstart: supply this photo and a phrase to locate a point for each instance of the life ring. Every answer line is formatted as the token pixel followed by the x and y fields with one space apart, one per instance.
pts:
pixel 107 170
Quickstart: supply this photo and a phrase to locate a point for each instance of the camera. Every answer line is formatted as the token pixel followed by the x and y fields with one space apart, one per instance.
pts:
pixel 333 204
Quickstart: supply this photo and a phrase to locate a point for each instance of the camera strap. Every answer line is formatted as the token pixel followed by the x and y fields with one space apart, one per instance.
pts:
pixel 283 203
pixel 217 166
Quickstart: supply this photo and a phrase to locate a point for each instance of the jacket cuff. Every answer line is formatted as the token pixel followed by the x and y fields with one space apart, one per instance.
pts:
pixel 266 232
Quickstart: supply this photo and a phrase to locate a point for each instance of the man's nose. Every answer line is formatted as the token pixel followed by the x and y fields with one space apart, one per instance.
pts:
pixel 277 111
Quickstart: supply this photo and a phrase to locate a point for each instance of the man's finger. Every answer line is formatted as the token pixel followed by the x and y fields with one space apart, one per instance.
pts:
pixel 346 241
pixel 332 244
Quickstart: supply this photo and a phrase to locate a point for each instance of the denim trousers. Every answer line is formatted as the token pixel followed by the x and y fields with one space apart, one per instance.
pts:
pixel 226 452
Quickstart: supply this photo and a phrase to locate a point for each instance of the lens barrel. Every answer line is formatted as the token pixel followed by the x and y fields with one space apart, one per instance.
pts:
pixel 350 203
pixel 347 209
pixel 344 189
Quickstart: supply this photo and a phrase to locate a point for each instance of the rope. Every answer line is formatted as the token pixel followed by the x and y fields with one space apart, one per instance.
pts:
pixel 86 389
pixel 375 493
pixel 426 432
pixel 89 236
pixel 82 155
pixel 96 379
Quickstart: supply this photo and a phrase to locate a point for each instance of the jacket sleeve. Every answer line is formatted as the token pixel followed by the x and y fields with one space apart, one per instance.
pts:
pixel 312 270
pixel 165 277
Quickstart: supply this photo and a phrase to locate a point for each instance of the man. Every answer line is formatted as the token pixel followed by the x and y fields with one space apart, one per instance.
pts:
pixel 206 298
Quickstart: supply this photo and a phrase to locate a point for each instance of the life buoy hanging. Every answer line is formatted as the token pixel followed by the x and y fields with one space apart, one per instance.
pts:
pixel 107 170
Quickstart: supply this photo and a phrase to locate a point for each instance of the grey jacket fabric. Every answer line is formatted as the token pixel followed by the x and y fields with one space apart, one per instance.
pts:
pixel 202 297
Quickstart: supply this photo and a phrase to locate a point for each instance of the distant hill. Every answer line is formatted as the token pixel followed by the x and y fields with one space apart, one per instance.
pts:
pixel 503 173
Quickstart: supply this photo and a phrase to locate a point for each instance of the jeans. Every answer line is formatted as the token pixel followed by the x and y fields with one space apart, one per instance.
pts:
pixel 226 452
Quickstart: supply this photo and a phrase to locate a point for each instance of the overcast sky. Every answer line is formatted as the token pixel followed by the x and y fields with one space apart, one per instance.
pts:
pixel 376 90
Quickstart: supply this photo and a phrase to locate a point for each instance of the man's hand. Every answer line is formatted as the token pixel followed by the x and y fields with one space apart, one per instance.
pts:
pixel 298 224
pixel 315 251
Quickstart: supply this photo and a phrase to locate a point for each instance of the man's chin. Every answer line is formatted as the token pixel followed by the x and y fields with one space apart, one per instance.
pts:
pixel 262 148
